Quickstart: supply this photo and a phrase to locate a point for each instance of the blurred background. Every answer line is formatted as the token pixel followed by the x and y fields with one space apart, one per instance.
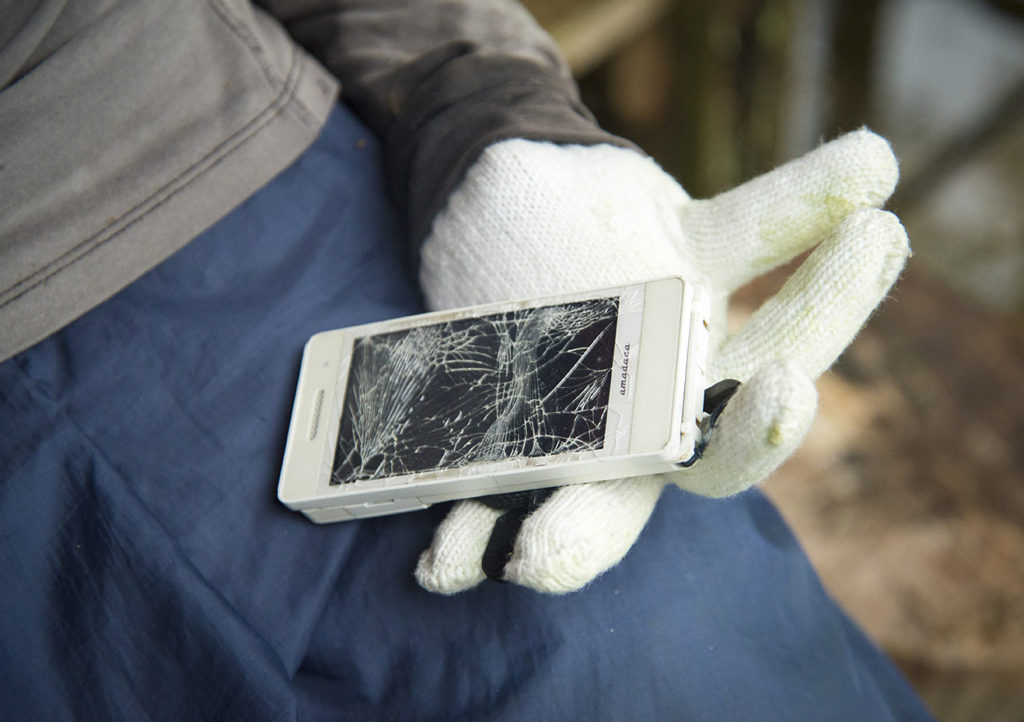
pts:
pixel 908 494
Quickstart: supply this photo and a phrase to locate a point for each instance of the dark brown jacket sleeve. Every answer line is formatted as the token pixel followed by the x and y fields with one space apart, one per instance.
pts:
pixel 440 80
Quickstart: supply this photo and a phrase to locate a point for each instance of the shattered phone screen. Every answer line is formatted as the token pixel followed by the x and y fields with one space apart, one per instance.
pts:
pixel 525 383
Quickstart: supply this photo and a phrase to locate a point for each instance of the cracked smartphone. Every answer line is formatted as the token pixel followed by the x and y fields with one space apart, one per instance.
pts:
pixel 398 415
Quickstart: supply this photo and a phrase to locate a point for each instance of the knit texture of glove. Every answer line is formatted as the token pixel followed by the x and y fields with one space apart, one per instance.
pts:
pixel 534 219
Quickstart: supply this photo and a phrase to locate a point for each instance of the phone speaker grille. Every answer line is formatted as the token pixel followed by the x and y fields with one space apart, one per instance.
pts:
pixel 314 423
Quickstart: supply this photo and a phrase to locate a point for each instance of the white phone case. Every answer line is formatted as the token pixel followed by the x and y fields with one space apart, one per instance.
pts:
pixel 397 415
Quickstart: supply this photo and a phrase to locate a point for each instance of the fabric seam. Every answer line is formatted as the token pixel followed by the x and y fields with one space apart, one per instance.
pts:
pixel 174 186
pixel 251 44
pixel 255 48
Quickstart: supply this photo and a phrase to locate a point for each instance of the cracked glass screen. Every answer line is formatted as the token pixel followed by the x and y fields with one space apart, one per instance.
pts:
pixel 525 383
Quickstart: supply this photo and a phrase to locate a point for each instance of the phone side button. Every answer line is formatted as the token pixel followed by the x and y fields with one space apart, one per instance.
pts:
pixel 391 506
pixel 314 421
pixel 328 515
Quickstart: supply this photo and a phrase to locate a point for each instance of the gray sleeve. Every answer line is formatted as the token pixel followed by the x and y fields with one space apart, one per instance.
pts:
pixel 440 80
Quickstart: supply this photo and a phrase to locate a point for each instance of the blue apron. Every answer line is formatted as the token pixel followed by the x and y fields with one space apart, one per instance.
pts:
pixel 149 571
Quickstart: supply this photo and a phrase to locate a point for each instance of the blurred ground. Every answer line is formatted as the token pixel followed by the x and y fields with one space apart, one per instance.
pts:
pixel 908 493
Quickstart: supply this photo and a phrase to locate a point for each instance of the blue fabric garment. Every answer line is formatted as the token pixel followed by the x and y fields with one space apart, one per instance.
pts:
pixel 149 571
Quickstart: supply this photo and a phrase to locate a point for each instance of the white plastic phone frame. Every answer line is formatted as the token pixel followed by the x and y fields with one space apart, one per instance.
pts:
pixel 661 426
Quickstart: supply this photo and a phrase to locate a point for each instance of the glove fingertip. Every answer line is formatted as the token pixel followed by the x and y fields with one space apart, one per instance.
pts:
pixel 452 562
pixel 440 578
pixel 875 165
pixel 580 533
pixel 883 230
pixel 794 403
pixel 759 429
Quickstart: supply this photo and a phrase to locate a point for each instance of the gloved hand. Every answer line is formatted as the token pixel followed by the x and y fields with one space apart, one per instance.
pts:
pixel 535 219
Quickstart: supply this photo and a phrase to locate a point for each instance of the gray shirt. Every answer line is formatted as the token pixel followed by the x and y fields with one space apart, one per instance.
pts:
pixel 127 128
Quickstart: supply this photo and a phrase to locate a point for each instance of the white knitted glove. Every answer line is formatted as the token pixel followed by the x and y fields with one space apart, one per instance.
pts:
pixel 535 219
